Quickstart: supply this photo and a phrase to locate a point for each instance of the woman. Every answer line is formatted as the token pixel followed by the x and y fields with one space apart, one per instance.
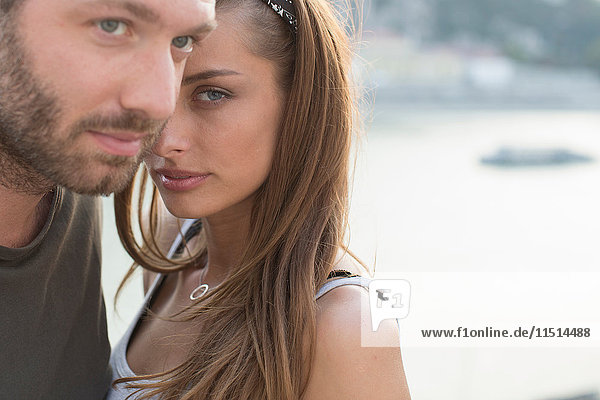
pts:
pixel 258 152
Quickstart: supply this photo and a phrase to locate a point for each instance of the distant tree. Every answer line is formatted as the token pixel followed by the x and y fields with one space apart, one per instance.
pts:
pixel 592 55
pixel 568 31
pixel 567 28
pixel 379 5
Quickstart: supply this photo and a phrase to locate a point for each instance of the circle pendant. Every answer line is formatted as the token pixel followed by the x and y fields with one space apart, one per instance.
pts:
pixel 199 292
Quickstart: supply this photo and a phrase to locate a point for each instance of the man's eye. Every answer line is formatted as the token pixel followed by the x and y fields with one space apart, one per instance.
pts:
pixel 184 43
pixel 113 26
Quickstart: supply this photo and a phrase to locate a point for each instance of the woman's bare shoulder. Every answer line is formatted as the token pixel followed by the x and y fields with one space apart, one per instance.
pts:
pixel 351 361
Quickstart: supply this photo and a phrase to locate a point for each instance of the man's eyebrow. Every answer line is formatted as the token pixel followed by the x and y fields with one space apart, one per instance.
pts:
pixel 200 76
pixel 149 15
pixel 205 28
pixel 137 9
pixel 141 11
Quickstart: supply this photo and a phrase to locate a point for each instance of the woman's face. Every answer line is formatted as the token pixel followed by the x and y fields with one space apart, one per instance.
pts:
pixel 217 148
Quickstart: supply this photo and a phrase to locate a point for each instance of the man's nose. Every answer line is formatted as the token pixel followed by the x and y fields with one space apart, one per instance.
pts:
pixel 153 85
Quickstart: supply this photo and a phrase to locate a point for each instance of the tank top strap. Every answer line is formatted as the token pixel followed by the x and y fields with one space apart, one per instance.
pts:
pixel 333 283
pixel 175 246
pixel 185 226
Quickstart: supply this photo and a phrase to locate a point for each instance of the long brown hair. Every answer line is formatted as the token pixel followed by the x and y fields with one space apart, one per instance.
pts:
pixel 262 318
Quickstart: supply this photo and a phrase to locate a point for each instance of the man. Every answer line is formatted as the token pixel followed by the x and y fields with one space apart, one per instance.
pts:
pixel 85 88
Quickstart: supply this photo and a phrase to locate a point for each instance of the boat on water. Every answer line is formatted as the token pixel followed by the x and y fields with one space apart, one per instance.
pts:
pixel 586 396
pixel 531 157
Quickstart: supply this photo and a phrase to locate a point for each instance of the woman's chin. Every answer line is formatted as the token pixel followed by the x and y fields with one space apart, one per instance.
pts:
pixel 183 211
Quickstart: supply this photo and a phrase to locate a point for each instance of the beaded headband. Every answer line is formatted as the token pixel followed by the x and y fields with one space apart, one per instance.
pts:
pixel 285 9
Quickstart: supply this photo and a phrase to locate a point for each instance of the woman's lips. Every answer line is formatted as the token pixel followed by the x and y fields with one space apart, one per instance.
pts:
pixel 180 181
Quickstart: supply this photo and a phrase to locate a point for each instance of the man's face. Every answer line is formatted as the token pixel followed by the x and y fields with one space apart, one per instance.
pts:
pixel 86 86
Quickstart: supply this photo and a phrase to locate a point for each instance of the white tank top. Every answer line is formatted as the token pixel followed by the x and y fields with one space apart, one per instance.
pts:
pixel 118 359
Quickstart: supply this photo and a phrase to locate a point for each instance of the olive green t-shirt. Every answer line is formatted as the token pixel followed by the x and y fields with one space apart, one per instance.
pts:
pixel 53 339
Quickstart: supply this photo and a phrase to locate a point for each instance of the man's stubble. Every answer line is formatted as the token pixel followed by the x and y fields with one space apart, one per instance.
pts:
pixel 34 155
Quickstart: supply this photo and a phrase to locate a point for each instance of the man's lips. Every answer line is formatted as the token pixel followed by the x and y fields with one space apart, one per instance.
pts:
pixel 180 180
pixel 119 143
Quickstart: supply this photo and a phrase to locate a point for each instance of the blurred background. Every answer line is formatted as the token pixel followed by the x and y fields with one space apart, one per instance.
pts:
pixel 478 182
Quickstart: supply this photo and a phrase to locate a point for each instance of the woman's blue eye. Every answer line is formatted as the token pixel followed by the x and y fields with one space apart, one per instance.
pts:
pixel 211 95
pixel 184 43
pixel 112 26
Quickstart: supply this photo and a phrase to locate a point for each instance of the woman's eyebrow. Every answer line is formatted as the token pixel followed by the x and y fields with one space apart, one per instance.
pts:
pixel 188 80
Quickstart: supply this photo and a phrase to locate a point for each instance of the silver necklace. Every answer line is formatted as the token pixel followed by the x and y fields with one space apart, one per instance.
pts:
pixel 201 289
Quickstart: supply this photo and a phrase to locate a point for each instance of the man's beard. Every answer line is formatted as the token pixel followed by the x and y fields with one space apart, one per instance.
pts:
pixel 35 155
